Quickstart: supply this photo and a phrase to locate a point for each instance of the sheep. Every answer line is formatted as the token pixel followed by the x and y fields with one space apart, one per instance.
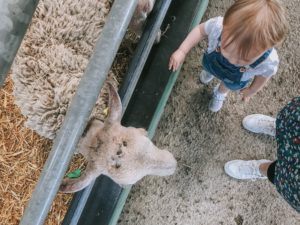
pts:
pixel 143 9
pixel 54 54
pixel 125 154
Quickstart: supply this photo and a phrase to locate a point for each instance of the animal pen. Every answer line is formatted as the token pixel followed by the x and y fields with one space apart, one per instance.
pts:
pixel 144 91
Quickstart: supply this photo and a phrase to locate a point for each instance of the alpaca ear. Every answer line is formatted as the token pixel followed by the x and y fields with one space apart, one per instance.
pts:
pixel 115 105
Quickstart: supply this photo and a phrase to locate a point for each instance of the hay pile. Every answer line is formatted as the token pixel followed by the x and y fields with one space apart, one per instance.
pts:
pixel 54 52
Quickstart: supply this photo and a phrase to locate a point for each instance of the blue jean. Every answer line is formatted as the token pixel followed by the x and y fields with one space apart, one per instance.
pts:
pixel 231 85
pixel 218 66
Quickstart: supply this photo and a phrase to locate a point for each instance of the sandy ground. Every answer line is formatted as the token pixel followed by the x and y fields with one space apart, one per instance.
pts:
pixel 200 193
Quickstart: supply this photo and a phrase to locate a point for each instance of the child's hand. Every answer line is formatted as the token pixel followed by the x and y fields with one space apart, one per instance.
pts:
pixel 247 93
pixel 176 59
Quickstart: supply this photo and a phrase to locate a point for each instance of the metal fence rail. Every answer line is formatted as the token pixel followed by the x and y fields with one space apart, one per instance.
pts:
pixel 15 16
pixel 143 49
pixel 79 112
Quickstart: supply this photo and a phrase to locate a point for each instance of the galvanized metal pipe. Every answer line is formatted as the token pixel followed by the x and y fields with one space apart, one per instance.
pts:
pixel 79 112
pixel 137 64
pixel 15 16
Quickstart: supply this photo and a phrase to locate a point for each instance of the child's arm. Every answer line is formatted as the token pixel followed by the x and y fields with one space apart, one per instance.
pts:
pixel 193 38
pixel 257 84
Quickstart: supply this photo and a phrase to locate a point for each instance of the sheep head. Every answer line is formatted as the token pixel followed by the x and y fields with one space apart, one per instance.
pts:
pixel 125 154
pixel 143 9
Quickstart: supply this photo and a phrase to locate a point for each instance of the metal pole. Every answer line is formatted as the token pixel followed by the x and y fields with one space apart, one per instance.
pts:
pixel 143 49
pixel 15 16
pixel 79 112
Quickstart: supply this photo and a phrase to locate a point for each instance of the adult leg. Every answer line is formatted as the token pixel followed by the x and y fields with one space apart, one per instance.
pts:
pixel 268 170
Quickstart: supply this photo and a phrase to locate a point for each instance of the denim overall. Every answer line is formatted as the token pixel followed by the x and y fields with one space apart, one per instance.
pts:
pixel 216 64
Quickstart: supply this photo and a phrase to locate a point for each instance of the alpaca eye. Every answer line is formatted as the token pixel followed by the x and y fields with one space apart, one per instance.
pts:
pixel 124 143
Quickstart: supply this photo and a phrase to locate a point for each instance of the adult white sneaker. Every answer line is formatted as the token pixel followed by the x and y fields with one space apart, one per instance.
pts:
pixel 244 170
pixel 216 103
pixel 261 124
pixel 205 77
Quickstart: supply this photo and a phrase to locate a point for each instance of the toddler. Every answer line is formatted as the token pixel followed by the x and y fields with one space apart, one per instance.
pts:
pixel 240 48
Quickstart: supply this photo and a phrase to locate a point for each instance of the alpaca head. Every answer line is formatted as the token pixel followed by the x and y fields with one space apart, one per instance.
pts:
pixel 125 154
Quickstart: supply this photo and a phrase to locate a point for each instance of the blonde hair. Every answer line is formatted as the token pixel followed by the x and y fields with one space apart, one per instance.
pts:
pixel 254 23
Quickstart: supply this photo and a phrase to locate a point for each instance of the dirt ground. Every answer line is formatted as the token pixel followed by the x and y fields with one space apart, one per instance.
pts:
pixel 200 193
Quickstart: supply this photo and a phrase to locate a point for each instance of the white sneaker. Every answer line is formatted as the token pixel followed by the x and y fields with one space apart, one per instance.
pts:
pixel 216 103
pixel 243 170
pixel 205 77
pixel 261 124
